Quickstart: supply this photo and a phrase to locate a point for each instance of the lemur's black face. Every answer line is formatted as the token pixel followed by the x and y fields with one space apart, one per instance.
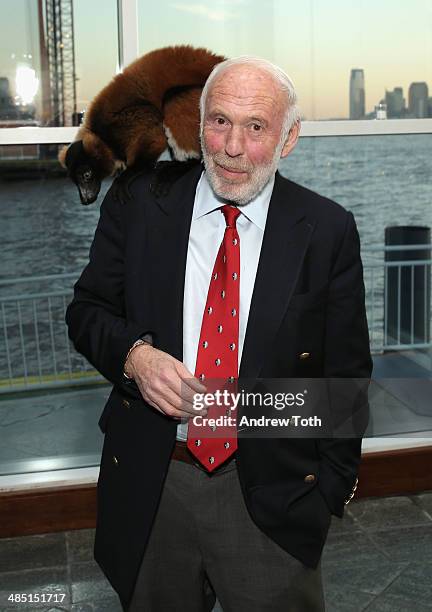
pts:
pixel 88 183
pixel 84 172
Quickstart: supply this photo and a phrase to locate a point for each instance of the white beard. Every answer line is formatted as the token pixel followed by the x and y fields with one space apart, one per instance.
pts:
pixel 243 193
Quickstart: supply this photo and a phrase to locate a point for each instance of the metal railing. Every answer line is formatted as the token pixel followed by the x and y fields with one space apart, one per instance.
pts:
pixel 398 299
pixel 35 351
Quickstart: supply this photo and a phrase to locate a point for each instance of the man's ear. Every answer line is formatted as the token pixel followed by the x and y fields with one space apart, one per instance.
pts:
pixel 291 141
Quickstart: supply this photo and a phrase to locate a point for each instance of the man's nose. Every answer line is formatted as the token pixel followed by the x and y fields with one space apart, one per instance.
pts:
pixel 234 144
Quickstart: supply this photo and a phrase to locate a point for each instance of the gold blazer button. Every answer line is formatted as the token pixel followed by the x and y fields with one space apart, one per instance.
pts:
pixel 309 478
pixel 125 403
pixel 304 355
pixel 115 459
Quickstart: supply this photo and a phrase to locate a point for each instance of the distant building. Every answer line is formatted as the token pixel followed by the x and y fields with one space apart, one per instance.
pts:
pixel 395 103
pixel 430 107
pixel 381 110
pixel 6 103
pixel 357 94
pixel 418 100
pixel 4 89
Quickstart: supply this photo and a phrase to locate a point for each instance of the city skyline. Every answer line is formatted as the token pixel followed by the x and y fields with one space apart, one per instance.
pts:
pixel 393 104
pixel 319 59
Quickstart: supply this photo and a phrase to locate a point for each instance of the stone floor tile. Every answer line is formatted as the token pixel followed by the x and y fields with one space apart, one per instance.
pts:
pixel 412 544
pixel 80 544
pixel 354 547
pixel 343 599
pixel 388 512
pixel 89 583
pixel 30 552
pixel 384 603
pixel 49 581
pixel 108 605
pixel 373 579
pixel 424 500
pixel 414 583
pixel 344 525
pixel 16 609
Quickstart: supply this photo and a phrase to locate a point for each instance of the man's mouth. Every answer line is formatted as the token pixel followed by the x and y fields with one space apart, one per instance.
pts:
pixel 230 172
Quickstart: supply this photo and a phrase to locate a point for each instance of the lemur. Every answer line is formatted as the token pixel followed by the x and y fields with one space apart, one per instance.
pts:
pixel 149 107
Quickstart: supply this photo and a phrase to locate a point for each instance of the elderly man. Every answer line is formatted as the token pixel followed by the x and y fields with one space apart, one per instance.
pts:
pixel 235 273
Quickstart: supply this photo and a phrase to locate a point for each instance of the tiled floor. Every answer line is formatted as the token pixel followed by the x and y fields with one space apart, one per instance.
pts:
pixel 378 558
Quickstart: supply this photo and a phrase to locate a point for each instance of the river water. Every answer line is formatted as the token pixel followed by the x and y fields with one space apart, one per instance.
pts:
pixel 383 180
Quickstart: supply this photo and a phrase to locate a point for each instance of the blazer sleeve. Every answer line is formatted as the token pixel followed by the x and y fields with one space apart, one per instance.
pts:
pixel 347 355
pixel 96 317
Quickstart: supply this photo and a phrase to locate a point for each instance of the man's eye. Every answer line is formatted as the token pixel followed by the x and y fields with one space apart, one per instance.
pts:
pixel 220 121
pixel 256 127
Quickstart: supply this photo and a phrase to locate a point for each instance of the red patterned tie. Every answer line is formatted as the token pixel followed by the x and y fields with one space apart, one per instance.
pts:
pixel 217 358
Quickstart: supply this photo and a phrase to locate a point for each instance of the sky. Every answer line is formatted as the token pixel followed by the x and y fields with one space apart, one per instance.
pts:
pixel 317 42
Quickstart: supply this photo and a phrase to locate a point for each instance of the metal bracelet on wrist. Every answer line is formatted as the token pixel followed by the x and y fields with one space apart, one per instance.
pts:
pixel 134 345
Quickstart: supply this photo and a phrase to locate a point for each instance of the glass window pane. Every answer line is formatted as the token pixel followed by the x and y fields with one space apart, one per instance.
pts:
pixel 380 51
pixel 53 59
pixel 46 231
pixel 46 236
pixel 385 182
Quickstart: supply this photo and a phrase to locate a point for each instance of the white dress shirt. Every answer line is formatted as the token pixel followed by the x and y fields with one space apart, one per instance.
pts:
pixel 206 234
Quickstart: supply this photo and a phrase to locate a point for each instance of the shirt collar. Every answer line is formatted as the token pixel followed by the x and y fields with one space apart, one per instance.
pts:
pixel 256 210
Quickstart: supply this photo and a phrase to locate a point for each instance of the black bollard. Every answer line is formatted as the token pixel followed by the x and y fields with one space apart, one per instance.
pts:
pixel 407 288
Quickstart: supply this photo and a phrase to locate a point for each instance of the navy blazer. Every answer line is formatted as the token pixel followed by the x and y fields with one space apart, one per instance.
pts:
pixel 308 297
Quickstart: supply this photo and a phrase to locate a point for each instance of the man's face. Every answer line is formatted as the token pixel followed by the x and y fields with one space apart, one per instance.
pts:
pixel 241 139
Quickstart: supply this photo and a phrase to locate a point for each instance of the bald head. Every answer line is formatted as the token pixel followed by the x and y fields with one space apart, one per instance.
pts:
pixel 250 85
pixel 243 130
pixel 282 81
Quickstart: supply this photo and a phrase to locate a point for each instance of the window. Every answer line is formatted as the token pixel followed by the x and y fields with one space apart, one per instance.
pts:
pixel 347 59
pixel 54 58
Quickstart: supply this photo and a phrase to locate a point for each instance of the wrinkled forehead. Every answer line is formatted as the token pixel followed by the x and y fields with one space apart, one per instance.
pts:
pixel 248 84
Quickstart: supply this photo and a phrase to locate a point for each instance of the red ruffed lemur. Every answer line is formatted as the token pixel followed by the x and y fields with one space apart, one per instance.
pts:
pixel 149 107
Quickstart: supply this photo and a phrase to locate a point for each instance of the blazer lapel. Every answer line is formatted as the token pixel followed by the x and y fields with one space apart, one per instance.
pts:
pixel 285 241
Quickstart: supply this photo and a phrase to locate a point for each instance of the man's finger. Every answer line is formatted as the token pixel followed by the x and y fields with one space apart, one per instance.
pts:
pixel 170 410
pixel 189 379
pixel 172 396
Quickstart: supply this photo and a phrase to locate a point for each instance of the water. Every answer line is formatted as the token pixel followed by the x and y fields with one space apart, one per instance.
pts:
pixel 44 227
pixel 383 180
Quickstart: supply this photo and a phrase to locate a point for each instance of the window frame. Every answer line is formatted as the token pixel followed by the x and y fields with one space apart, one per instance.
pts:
pixel 128 47
pixel 366 127
pixel 127 11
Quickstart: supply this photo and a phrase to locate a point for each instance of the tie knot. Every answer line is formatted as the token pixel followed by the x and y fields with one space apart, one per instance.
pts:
pixel 230 213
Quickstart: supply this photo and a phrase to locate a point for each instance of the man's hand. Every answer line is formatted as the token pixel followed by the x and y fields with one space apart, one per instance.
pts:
pixel 164 382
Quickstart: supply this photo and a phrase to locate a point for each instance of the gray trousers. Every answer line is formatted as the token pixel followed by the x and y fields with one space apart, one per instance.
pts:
pixel 204 545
